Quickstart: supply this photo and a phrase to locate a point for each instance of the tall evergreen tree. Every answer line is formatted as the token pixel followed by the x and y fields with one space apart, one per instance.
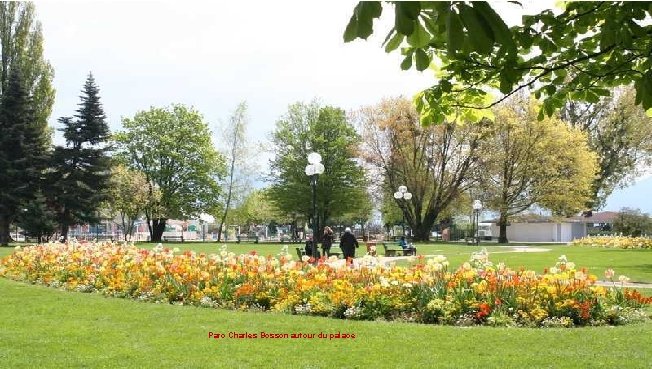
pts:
pixel 82 166
pixel 23 151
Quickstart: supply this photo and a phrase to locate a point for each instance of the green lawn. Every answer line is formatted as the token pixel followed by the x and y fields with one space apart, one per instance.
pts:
pixel 48 328
pixel 45 327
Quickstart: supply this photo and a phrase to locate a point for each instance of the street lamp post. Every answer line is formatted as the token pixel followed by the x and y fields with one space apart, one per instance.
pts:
pixel 403 193
pixel 313 170
pixel 477 207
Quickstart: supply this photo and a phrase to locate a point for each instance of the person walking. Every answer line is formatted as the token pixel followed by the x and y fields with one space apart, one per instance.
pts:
pixel 348 244
pixel 327 241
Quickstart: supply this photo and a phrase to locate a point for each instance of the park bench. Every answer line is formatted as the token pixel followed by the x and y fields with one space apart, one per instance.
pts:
pixel 247 238
pixel 396 250
pixel 172 238
pixel 301 252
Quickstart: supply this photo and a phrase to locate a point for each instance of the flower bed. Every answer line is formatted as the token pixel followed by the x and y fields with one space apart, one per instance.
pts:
pixel 476 293
pixel 617 242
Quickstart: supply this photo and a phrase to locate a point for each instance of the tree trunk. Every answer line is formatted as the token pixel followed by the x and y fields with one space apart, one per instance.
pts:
pixel 149 225
pixel 421 233
pixel 65 225
pixel 157 229
pixel 219 233
pixel 502 223
pixel 4 230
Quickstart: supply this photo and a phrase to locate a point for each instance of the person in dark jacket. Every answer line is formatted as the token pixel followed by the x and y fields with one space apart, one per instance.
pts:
pixel 309 249
pixel 327 241
pixel 348 243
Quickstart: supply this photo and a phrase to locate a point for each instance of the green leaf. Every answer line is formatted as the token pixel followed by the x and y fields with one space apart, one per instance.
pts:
pixel 403 24
pixel 407 62
pixel 608 37
pixel 419 37
pixel 592 97
pixel 423 60
pixel 370 9
pixel 649 112
pixel 361 22
pixel 454 32
pixel 351 31
pixel 500 30
pixel 505 84
pixel 394 42
pixel 479 33
pixel 602 92
pixel 410 9
pixel 445 85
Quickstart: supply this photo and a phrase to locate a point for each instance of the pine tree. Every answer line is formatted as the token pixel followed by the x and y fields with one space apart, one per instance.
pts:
pixel 37 218
pixel 82 166
pixel 23 151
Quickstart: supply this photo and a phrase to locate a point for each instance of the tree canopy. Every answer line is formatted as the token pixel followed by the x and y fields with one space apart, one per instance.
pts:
pixel 172 147
pixel 128 196
pixel 81 167
pixel 27 96
pixel 23 152
pixel 21 47
pixel 436 163
pixel 236 153
pixel 529 162
pixel 325 130
pixel 579 52
pixel 620 134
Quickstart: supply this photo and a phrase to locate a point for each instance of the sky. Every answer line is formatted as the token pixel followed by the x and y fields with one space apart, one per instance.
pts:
pixel 214 55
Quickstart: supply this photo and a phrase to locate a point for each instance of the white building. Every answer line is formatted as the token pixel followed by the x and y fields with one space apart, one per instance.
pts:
pixel 536 228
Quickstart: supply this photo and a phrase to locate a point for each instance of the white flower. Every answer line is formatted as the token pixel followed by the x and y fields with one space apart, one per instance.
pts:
pixel 623 279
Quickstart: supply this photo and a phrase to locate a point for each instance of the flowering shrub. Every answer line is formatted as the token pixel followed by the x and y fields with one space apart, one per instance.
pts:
pixel 427 292
pixel 618 242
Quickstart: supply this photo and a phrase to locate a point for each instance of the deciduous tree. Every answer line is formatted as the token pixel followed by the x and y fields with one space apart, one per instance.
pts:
pixel 128 196
pixel 528 161
pixel 632 222
pixel 603 44
pixel 236 153
pixel 21 47
pixel 172 147
pixel 620 134
pixel 436 163
pixel 325 130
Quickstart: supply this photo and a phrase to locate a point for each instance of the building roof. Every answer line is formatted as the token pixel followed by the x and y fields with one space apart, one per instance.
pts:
pixel 601 217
